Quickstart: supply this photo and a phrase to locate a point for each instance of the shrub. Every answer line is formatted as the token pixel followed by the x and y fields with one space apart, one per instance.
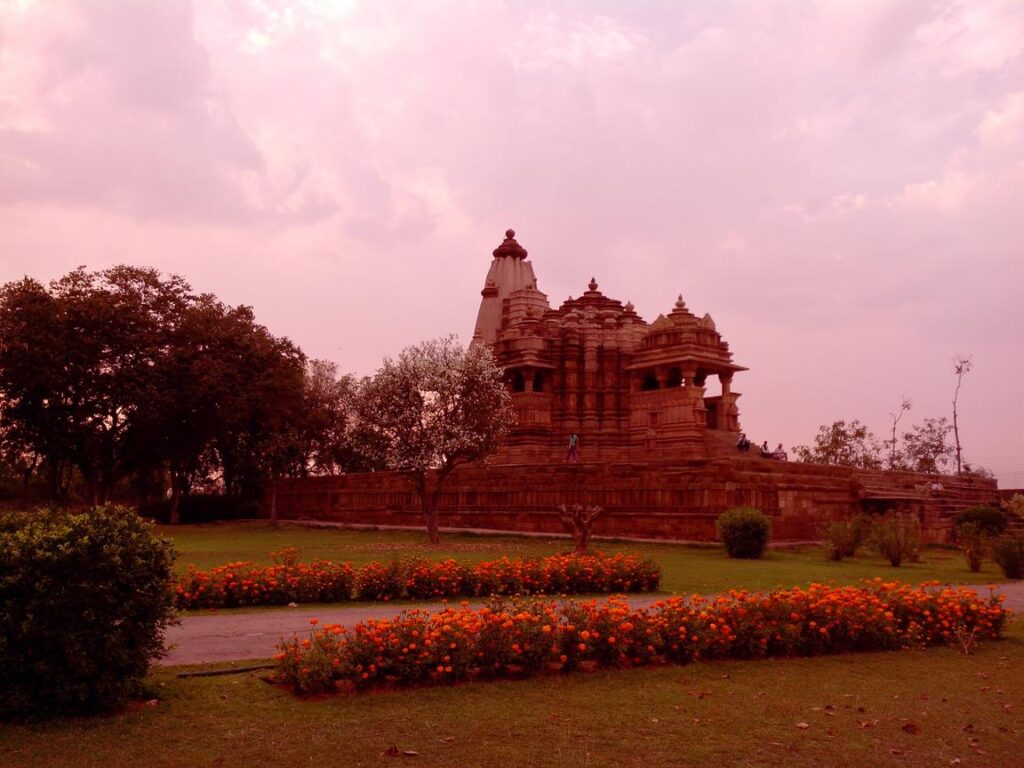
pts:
pixel 973 541
pixel 744 531
pixel 379 582
pixel 844 537
pixel 898 538
pixel 989 520
pixel 243 583
pixel 517 638
pixel 84 600
pixel 428 580
pixel 1008 552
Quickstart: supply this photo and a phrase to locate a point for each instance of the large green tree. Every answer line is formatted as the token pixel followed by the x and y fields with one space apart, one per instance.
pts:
pixel 77 364
pixel 127 371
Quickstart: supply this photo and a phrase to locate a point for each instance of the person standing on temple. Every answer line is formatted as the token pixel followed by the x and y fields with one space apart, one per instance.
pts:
pixel 573 455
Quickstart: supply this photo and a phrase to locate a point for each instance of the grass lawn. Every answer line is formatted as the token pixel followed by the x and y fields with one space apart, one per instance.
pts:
pixel 911 708
pixel 685 569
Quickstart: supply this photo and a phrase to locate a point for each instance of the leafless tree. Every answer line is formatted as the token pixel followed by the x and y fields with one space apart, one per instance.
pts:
pixel 905 405
pixel 962 366
pixel 580 522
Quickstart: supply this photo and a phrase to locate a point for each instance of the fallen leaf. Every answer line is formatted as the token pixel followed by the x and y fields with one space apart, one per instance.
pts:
pixel 912 728
pixel 447 739
pixel 802 726
pixel 895 751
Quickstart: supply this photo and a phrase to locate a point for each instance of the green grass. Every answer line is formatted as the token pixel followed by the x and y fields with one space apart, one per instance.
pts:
pixel 685 569
pixel 910 709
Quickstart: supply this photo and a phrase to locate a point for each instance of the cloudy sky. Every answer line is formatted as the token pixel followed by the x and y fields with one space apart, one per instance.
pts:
pixel 840 184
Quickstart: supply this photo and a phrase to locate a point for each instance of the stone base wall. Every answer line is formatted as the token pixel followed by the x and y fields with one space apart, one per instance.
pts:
pixel 678 500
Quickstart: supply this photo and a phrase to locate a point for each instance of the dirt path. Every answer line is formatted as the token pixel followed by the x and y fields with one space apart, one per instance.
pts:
pixel 237 636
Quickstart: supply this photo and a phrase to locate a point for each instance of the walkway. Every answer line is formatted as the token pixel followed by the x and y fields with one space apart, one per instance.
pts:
pixel 237 636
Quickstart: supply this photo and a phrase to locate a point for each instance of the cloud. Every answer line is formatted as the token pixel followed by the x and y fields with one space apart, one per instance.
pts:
pixel 834 182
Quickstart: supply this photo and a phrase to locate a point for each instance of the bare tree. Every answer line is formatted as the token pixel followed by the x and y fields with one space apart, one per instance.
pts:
pixel 580 522
pixel 962 366
pixel 905 405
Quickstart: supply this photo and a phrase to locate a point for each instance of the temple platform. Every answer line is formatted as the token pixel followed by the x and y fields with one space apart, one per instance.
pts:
pixel 677 500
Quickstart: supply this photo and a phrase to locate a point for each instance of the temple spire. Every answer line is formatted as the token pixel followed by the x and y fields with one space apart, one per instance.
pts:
pixel 509 272
pixel 509 247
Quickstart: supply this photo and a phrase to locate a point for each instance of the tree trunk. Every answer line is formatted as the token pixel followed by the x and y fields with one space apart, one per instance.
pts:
pixel 956 438
pixel 429 504
pixel 428 500
pixel 273 502
pixel 175 516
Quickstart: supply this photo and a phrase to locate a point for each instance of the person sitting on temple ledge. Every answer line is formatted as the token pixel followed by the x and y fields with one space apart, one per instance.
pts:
pixel 780 453
pixel 765 450
pixel 743 444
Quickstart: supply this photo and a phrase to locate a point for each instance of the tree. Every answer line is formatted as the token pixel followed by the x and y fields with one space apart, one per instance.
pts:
pixel 961 367
pixel 844 445
pixel 438 406
pixel 579 520
pixel 925 448
pixel 77 362
pixel 127 372
pixel 904 406
pixel 332 443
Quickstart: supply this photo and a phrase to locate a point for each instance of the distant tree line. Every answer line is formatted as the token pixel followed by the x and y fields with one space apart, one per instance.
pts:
pixel 925 447
pixel 125 382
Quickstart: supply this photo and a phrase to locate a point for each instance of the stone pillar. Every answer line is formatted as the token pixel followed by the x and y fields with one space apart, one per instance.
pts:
pixel 726 380
pixel 689 372
pixel 590 385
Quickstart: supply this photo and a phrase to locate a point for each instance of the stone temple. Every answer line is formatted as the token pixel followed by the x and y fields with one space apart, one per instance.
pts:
pixel 657 422
pixel 631 390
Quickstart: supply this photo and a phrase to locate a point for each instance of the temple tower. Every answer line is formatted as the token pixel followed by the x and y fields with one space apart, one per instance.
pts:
pixel 510 271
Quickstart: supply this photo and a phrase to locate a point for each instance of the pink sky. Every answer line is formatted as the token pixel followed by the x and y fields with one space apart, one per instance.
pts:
pixel 841 185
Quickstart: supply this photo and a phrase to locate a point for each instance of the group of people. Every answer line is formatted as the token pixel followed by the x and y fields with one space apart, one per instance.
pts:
pixel 779 454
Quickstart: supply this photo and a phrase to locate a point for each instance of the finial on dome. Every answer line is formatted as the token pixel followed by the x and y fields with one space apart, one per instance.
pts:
pixel 629 306
pixel 592 285
pixel 510 247
pixel 680 304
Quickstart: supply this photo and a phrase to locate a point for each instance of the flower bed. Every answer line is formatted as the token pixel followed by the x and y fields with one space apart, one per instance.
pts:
pixel 323 581
pixel 523 638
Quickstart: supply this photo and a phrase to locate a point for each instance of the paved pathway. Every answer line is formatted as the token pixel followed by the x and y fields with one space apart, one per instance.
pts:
pixel 237 636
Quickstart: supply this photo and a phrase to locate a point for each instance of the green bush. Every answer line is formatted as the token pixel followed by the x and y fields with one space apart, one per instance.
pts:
pixel 1008 552
pixel 844 537
pixel 84 600
pixel 989 520
pixel 744 531
pixel 974 542
pixel 898 538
